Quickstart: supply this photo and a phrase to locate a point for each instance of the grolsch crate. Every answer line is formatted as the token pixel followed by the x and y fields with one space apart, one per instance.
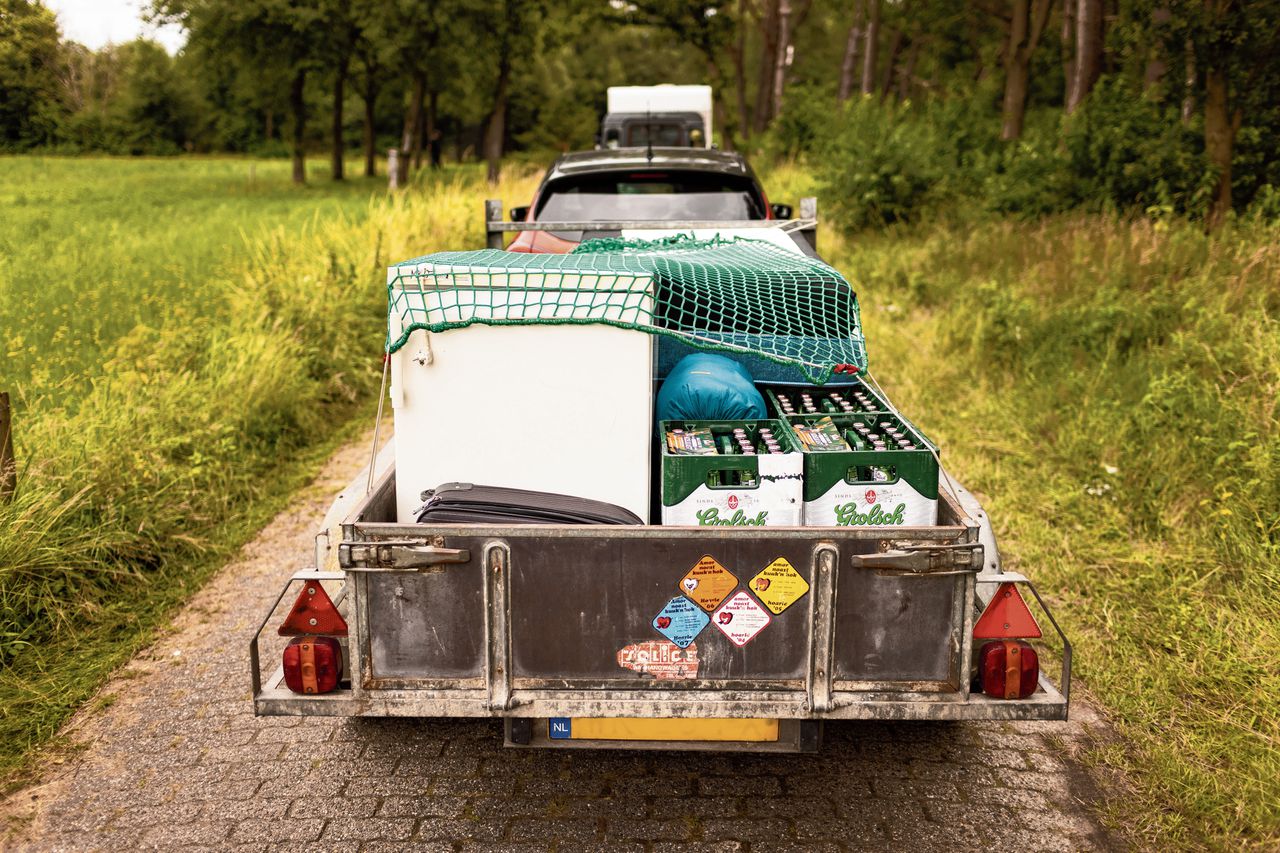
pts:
pixel 866 470
pixel 730 474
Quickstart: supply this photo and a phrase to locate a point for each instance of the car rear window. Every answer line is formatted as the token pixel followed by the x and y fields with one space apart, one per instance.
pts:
pixel 650 196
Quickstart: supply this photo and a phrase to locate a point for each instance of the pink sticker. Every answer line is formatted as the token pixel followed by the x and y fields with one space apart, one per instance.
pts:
pixel 740 618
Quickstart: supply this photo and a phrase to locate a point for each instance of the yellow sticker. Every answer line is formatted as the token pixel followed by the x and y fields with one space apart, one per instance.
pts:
pixel 708 583
pixel 779 585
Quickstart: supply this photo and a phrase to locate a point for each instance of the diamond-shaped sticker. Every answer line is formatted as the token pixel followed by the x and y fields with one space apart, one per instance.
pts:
pixel 779 585
pixel 708 583
pixel 680 621
pixel 740 618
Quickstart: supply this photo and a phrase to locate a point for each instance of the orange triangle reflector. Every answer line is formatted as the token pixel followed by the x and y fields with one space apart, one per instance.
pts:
pixel 1006 616
pixel 314 613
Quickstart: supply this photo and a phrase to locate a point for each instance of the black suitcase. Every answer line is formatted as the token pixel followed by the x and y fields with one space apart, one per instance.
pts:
pixel 467 503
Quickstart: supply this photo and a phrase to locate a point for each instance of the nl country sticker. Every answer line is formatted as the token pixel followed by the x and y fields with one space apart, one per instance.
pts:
pixel 740 618
pixel 779 585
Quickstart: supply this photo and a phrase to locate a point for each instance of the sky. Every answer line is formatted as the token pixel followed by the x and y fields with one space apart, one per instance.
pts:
pixel 94 23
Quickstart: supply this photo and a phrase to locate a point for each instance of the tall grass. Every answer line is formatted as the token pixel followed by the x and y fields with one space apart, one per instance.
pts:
pixel 1110 387
pixel 158 414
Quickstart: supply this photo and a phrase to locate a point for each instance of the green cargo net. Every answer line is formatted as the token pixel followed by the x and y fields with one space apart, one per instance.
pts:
pixel 732 295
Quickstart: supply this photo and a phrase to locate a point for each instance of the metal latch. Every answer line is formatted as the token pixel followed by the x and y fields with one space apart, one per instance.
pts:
pixel 908 559
pixel 397 556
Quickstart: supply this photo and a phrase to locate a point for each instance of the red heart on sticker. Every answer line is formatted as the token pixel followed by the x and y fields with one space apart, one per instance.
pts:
pixel 726 617
pixel 664 621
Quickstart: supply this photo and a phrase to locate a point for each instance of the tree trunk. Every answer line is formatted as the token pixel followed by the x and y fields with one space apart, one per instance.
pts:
pixel 1068 53
pixel 1220 128
pixel 850 63
pixel 739 57
pixel 370 131
pixel 339 96
pixel 895 50
pixel 412 120
pixel 782 60
pixel 1189 98
pixel 908 75
pixel 269 128
pixel 871 53
pixel 420 127
pixel 496 127
pixel 768 59
pixel 433 131
pixel 1025 29
pixel 1088 60
pixel 298 107
pixel 1014 107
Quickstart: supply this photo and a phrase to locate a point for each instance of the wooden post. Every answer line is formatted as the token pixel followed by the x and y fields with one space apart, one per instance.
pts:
pixel 8 465
pixel 393 168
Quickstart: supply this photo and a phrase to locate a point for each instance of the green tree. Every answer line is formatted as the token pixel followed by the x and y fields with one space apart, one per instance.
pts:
pixel 153 109
pixel 342 26
pixel 30 93
pixel 1236 49
pixel 272 38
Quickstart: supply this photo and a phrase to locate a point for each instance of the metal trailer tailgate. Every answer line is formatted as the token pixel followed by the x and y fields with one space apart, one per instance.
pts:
pixel 597 622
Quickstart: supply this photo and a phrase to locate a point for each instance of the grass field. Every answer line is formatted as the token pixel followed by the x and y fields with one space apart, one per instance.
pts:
pixel 1111 389
pixel 184 340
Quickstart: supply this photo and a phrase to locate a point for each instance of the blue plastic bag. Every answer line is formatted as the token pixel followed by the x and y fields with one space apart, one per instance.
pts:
pixel 706 387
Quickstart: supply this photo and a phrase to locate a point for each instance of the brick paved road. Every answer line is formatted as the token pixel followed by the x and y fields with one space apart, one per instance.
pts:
pixel 177 760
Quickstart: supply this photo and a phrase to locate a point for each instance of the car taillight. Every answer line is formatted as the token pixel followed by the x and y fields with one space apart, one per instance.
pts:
pixel 313 659
pixel 312 664
pixel 1009 669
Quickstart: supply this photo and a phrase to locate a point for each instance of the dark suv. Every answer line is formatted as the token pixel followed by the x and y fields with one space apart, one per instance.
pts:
pixel 640 185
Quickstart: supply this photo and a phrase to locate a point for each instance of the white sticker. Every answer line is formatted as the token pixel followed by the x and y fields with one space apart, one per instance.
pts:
pixel 740 618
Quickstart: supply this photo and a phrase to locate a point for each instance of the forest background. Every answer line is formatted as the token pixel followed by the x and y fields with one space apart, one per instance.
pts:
pixel 1030 106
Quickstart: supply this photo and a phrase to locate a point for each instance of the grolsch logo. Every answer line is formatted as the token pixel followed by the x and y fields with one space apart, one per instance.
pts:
pixel 875 516
pixel 710 517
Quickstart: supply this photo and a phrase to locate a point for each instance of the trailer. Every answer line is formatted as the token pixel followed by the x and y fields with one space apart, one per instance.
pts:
pixel 551 628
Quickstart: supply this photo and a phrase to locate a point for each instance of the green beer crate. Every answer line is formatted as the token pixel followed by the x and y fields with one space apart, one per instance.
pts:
pixel 787 401
pixel 853 482
pixel 725 487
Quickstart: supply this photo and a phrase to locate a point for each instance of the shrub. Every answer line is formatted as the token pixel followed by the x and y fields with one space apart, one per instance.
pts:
pixel 1128 151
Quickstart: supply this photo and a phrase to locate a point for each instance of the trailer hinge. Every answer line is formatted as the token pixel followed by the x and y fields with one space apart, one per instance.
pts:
pixel 397 556
pixel 910 559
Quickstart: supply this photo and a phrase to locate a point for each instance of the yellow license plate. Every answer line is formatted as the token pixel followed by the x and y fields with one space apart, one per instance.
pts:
pixel 632 728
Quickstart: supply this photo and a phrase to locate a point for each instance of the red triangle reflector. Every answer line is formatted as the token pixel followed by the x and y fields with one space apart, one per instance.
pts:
pixel 313 613
pixel 1006 616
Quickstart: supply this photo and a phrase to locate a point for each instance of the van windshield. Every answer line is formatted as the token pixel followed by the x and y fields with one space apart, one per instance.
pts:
pixel 650 197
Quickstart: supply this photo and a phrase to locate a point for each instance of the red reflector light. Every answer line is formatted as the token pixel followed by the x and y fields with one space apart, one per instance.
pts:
pixel 1009 669
pixel 1006 616
pixel 312 664
pixel 313 613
